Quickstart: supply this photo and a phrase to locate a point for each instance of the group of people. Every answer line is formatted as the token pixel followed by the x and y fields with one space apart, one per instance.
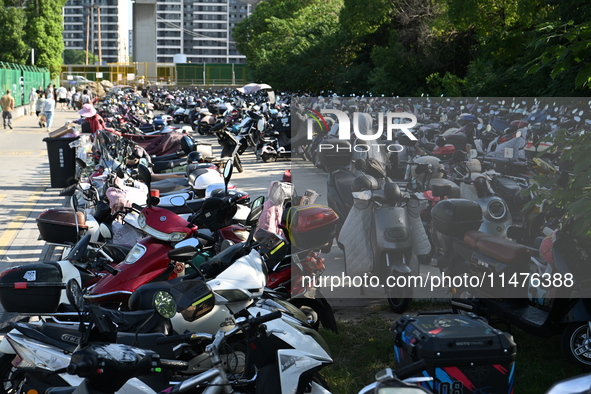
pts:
pixel 43 103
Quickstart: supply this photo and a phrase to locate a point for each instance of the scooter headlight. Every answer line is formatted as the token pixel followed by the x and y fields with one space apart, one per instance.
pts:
pixel 496 209
pixel 141 220
pixel 177 236
pixel 135 254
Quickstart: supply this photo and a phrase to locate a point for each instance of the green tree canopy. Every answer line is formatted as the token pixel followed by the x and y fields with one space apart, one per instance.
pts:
pixel 44 33
pixel 13 48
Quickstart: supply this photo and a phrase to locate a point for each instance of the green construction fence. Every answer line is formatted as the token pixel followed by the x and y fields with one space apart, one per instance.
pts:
pixel 20 79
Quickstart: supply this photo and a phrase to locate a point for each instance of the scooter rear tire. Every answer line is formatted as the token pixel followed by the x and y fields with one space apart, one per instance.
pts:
pixel 575 338
pixel 267 157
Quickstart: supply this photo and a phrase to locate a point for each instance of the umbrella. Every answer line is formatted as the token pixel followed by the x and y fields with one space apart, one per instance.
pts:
pixel 253 88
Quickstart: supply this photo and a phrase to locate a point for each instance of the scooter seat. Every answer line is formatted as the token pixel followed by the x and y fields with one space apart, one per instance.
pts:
pixel 507 188
pixel 160 166
pixel 455 189
pixel 498 248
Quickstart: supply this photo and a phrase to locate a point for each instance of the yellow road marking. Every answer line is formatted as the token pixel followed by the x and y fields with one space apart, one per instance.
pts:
pixel 2 196
pixel 20 152
pixel 17 223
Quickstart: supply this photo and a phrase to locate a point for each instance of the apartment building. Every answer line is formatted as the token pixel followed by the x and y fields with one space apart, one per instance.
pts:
pixel 200 29
pixel 208 28
pixel 82 26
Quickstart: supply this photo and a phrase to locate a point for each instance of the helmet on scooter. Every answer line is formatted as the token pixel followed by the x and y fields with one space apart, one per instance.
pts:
pixel 195 157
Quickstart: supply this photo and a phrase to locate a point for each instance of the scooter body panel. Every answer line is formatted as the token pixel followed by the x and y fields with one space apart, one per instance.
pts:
pixel 152 263
pixel 392 229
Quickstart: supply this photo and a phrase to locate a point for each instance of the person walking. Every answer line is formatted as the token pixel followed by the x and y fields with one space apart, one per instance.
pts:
pixel 49 109
pixel 39 109
pixel 62 93
pixel 49 90
pixel 33 97
pixel 7 108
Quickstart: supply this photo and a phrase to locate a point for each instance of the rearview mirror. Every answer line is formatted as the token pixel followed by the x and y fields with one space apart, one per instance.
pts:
pixel 105 232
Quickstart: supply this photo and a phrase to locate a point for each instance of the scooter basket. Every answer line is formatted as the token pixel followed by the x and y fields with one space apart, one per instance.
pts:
pixel 31 288
pixel 311 226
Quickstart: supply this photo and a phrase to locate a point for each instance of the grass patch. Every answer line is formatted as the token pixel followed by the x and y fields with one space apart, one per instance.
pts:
pixel 365 346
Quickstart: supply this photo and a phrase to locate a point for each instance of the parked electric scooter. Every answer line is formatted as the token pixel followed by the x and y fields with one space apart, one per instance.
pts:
pixel 508 279
pixel 380 226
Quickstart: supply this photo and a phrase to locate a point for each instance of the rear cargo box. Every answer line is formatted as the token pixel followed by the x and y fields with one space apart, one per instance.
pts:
pixel 31 288
pixel 463 353
pixel 58 225
pixel 311 226
pixel 456 216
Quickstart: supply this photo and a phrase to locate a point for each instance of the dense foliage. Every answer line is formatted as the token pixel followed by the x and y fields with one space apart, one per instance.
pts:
pixel 32 24
pixel 413 47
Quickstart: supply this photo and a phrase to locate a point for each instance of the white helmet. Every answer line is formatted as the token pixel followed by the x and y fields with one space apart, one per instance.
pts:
pixel 206 179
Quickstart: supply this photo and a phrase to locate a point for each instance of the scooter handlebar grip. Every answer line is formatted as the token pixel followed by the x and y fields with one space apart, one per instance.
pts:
pixel 81 367
pixel 137 207
pixel 256 321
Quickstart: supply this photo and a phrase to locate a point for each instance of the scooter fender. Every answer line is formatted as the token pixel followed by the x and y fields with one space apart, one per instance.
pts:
pixel 392 229
pixel 579 312
pixel 293 364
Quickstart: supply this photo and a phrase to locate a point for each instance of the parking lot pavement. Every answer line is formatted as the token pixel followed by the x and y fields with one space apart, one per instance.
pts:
pixel 25 191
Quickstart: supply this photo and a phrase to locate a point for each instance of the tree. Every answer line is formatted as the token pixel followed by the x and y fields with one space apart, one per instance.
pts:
pixel 565 46
pixel 290 44
pixel 44 33
pixel 78 56
pixel 13 48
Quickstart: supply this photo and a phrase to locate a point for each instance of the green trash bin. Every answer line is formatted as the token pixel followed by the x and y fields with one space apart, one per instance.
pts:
pixel 62 161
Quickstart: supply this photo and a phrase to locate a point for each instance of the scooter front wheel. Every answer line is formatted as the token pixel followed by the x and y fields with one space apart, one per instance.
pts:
pixel 8 374
pixel 399 299
pixel 238 164
pixel 576 344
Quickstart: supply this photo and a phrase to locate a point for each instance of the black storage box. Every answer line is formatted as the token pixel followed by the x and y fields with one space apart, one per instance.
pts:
pixel 61 225
pixel 456 216
pixel 463 354
pixel 31 288
pixel 334 152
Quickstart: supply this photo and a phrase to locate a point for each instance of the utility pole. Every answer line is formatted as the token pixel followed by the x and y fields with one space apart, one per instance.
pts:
pixel 100 40
pixel 87 32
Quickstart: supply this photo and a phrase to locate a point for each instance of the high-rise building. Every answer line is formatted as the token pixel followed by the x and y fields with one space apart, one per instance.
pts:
pixel 200 29
pixel 82 26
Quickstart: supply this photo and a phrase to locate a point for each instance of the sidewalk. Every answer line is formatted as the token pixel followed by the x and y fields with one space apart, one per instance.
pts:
pixel 25 191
